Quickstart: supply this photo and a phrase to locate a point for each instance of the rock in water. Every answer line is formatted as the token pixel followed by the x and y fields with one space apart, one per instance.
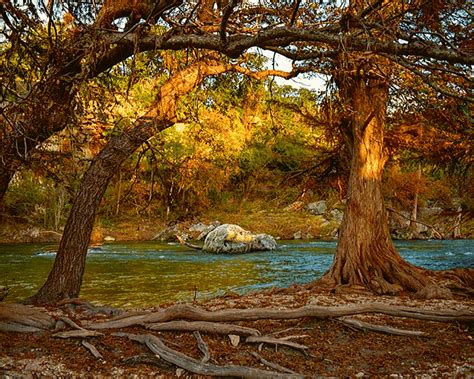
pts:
pixel 232 239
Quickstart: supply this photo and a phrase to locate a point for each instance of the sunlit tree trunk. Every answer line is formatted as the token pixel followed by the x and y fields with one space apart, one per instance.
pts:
pixel 365 253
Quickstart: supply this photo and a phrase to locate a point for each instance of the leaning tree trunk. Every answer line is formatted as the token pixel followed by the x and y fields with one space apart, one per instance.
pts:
pixel 65 278
pixel 365 253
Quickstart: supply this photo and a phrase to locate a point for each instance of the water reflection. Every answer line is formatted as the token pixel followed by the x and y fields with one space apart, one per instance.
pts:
pixel 145 274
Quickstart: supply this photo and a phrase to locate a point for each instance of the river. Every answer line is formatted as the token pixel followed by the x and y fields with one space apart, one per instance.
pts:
pixel 141 274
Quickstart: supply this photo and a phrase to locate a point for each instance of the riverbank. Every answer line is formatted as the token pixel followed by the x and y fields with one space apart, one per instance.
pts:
pixel 296 221
pixel 314 347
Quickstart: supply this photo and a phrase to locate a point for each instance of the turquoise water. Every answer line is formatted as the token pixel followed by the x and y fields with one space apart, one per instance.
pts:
pixel 149 273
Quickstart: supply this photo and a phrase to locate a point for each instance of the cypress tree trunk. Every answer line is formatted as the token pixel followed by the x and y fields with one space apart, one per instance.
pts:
pixel 65 279
pixel 365 254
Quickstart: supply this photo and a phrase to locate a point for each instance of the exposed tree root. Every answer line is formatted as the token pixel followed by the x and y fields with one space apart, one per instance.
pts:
pixel 277 342
pixel 392 278
pixel 197 367
pixel 21 318
pixel 203 326
pixel 272 365
pixel 217 322
pixel 188 312
pixel 71 323
pixel 83 333
pixel 202 346
pixel 362 325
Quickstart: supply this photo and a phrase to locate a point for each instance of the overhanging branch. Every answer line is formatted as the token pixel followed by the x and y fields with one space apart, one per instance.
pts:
pixel 283 36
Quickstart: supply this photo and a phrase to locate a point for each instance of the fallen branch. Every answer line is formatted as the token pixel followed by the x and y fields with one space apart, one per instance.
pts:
pixel 203 326
pixel 92 349
pixel 276 342
pixel 188 312
pixel 362 325
pixel 202 346
pixel 197 367
pixel 274 366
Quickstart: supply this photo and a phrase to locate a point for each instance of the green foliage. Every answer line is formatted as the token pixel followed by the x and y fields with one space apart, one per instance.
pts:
pixel 37 200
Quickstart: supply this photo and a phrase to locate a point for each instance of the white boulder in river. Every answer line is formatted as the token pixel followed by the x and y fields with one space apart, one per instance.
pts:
pixel 233 239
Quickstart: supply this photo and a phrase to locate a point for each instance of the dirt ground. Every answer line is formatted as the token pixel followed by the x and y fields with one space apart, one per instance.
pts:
pixel 334 349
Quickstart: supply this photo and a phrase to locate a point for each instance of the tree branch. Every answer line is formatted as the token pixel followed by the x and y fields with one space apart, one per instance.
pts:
pixel 283 36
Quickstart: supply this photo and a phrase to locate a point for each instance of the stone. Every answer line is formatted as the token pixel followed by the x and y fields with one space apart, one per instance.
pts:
pixel 209 228
pixel 317 208
pixel 420 228
pixel 337 215
pixel 234 339
pixel 198 227
pixel 109 238
pixel 232 239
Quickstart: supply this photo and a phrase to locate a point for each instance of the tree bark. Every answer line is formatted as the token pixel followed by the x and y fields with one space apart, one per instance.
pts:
pixel 365 254
pixel 65 279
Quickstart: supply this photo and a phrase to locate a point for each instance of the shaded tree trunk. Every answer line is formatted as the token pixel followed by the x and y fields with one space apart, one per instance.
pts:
pixel 5 178
pixel 365 253
pixel 65 279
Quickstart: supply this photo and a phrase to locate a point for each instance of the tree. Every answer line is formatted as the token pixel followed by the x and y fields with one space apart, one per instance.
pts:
pixel 365 254
pixel 358 45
